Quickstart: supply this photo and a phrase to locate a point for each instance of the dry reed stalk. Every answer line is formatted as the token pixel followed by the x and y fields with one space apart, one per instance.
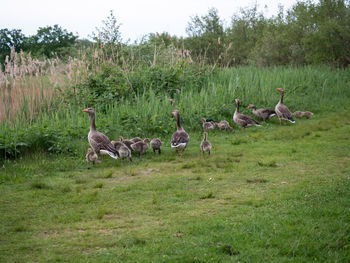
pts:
pixel 27 84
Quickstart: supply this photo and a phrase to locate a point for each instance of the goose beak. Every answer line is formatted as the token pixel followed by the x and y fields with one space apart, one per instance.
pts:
pixel 248 107
pixel 279 89
pixel 85 110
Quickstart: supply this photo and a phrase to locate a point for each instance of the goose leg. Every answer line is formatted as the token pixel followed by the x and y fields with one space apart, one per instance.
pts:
pixel 280 122
pixel 286 122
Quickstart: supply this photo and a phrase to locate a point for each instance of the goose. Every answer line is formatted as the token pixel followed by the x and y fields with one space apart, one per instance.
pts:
pixel 91 157
pixel 140 147
pixel 302 114
pixel 208 125
pixel 282 110
pixel 243 120
pixel 126 142
pixel 263 114
pixel 97 140
pixel 156 144
pixel 180 138
pixel 205 144
pixel 224 125
pixel 136 139
pixel 123 150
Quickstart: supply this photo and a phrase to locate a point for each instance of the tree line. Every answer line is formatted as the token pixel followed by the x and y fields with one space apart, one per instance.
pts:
pixel 308 33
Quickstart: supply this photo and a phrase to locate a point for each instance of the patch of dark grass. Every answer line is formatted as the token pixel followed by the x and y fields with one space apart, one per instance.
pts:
pixel 20 228
pixel 108 174
pixel 91 197
pixel 65 189
pixel 98 185
pixel 257 180
pixel 239 141
pixel 197 178
pixel 188 165
pixel 207 196
pixel 40 185
pixel 102 212
pixel 228 249
pixel 80 180
pixel 267 164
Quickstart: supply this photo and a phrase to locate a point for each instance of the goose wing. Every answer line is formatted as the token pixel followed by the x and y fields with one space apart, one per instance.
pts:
pixel 179 138
pixel 283 112
pixel 244 120
pixel 102 142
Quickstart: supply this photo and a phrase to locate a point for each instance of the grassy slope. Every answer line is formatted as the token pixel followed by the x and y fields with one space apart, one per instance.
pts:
pixel 276 194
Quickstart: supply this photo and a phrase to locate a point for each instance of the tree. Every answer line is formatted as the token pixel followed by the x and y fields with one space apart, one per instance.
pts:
pixel 324 30
pixel 8 39
pixel 109 33
pixel 206 35
pixel 50 41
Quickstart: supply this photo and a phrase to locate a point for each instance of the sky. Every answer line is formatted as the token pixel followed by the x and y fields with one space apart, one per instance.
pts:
pixel 137 17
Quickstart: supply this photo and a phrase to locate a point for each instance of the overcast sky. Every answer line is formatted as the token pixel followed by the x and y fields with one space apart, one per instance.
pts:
pixel 137 18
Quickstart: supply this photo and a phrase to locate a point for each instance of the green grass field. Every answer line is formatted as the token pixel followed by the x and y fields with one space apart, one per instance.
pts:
pixel 271 194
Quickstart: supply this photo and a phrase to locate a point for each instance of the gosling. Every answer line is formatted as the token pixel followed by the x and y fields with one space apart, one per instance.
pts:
pixel 91 157
pixel 303 114
pixel 156 144
pixel 122 149
pixel 207 125
pixel 205 145
pixel 140 147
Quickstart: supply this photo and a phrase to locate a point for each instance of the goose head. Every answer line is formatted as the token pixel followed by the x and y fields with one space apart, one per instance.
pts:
pixel 281 90
pixel 89 110
pixel 176 113
pixel 251 106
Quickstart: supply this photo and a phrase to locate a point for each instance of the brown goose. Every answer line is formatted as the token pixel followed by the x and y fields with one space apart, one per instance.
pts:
pixel 208 125
pixel 156 144
pixel 282 110
pixel 263 114
pixel 123 150
pixel 180 138
pixel 205 144
pixel 243 120
pixel 303 114
pixel 140 147
pixel 91 157
pixel 224 125
pixel 97 140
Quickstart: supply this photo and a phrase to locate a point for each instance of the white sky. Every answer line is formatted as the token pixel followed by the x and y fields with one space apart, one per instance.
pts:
pixel 137 18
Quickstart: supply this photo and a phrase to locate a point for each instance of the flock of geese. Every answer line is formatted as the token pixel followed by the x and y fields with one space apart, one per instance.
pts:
pixel 101 145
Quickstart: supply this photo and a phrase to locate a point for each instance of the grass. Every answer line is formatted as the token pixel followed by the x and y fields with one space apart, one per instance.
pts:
pixel 272 194
pixel 63 129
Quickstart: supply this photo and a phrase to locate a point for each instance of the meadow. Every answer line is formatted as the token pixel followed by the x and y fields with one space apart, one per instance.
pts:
pixel 271 194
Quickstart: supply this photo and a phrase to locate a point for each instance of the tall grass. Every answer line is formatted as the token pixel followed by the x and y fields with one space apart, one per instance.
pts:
pixel 28 86
pixel 316 89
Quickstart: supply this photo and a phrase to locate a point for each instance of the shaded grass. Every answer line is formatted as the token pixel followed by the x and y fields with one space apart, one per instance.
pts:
pixel 292 207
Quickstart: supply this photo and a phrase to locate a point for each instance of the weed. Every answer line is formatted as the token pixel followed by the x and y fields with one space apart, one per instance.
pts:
pixel 208 196
pixel 98 185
